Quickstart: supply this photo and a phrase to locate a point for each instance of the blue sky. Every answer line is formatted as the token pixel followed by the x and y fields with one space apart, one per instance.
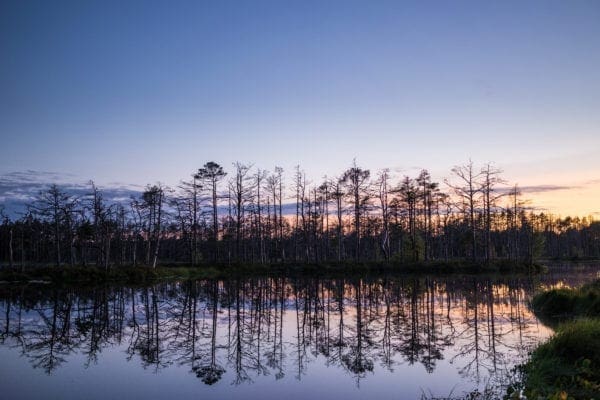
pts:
pixel 149 91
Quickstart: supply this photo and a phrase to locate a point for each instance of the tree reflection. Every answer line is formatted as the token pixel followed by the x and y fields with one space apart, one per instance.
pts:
pixel 241 329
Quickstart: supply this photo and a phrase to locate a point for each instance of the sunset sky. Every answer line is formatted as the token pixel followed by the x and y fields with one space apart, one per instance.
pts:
pixel 149 91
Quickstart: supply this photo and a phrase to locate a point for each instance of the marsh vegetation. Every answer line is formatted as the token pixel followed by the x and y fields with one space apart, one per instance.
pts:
pixel 568 365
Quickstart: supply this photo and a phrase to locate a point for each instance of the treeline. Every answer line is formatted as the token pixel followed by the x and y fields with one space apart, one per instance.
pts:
pixel 250 215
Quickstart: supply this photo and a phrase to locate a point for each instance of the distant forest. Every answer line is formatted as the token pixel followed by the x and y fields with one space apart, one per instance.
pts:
pixel 238 217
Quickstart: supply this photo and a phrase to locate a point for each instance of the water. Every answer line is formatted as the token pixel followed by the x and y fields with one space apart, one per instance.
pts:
pixel 264 338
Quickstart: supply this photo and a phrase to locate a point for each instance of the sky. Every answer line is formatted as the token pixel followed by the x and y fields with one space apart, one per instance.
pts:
pixel 129 93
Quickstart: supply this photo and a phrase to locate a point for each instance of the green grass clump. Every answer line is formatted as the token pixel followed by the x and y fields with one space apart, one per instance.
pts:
pixel 568 365
pixel 559 304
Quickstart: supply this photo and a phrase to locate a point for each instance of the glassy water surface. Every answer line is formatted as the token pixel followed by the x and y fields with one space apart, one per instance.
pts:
pixel 265 338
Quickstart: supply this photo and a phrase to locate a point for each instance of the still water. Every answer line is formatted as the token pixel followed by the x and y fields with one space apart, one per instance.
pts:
pixel 394 337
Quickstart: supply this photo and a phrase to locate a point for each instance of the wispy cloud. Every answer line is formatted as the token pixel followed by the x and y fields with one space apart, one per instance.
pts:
pixel 546 188
pixel 21 187
pixel 538 188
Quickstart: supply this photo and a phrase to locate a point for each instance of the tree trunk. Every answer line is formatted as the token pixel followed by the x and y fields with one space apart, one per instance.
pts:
pixel 158 222
pixel 10 248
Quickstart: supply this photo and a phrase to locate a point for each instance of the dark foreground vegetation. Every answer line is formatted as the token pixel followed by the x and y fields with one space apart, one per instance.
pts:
pixel 568 365
pixel 141 274
pixel 255 217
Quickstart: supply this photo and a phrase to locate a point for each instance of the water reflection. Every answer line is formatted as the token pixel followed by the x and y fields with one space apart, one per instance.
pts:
pixel 245 330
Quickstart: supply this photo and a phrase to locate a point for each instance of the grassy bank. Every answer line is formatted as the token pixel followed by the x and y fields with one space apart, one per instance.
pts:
pixel 557 305
pixel 568 365
pixel 92 274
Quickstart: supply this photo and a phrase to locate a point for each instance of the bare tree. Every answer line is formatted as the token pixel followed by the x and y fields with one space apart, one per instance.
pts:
pixel 259 177
pixel 413 221
pixel 192 190
pixel 490 180
pixel 240 193
pixel 467 191
pixel 153 198
pixel 337 194
pixel 213 173
pixel 6 222
pixel 356 181
pixel 300 188
pixel 51 204
pixel 383 194
pixel 409 194
pixel 325 195
pixel 428 191
pixel 513 211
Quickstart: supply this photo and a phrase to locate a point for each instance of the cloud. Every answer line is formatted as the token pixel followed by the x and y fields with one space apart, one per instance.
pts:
pixel 546 188
pixel 17 189
pixel 539 188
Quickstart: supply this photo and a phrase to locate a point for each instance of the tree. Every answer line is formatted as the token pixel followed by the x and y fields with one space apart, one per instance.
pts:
pixel 383 193
pixel 192 190
pixel 101 224
pixel 409 194
pixel 50 205
pixel 300 187
pixel 490 180
pixel 6 222
pixel 428 191
pixel 467 191
pixel 259 179
pixel 337 194
pixel 325 198
pixel 240 193
pixel 272 187
pixel 275 186
pixel 153 198
pixel 414 221
pixel 356 181
pixel 213 173
pixel 514 209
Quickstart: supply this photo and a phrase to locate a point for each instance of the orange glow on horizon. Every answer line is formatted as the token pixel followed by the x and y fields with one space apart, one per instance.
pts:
pixel 576 200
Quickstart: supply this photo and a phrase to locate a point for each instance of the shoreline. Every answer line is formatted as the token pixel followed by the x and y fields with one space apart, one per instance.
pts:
pixel 143 274
pixel 567 365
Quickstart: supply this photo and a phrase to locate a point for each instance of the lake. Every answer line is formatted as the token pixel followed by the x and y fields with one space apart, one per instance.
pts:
pixel 384 337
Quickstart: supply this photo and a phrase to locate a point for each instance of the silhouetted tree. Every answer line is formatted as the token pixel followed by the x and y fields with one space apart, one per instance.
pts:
pixel 212 173
pixel 467 191
pixel 356 181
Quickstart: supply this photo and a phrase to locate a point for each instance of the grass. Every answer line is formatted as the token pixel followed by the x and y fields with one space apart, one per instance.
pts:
pixel 556 305
pixel 140 274
pixel 568 365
